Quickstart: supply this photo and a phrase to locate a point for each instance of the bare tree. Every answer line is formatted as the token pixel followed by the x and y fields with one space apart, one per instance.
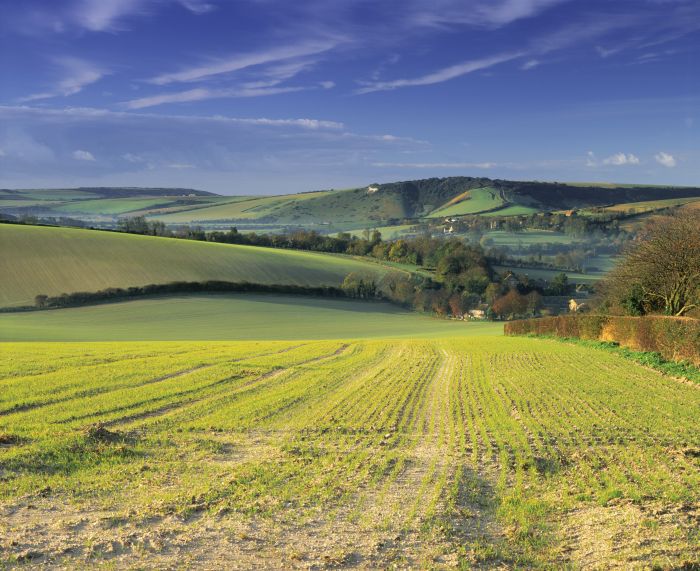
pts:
pixel 661 269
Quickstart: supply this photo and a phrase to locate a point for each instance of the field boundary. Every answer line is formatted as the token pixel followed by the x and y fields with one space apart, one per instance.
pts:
pixel 674 339
pixel 113 295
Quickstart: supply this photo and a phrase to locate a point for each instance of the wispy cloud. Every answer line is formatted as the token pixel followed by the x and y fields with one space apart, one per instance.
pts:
pixel 203 93
pixel 665 159
pixel 77 74
pixel 110 15
pixel 485 165
pixel 444 74
pixel 530 64
pixel 90 113
pixel 235 63
pixel 81 155
pixel 488 13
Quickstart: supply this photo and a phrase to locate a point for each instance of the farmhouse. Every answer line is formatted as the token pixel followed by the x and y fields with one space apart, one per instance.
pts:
pixel 577 305
pixel 477 314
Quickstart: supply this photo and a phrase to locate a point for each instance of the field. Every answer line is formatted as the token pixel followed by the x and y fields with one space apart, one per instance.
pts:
pixel 252 208
pixel 43 260
pixel 529 237
pixel 111 205
pixel 226 316
pixel 484 452
pixel 470 202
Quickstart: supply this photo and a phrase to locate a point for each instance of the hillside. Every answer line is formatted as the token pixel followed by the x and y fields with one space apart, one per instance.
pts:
pixel 331 211
pixel 45 260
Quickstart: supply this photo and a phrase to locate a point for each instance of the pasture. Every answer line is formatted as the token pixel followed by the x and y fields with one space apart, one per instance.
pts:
pixel 478 452
pixel 51 261
pixel 470 202
pixel 232 316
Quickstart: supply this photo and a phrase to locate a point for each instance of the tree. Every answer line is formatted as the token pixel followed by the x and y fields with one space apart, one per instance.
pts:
pixel 559 285
pixel 661 270
pixel 511 304
pixel 359 285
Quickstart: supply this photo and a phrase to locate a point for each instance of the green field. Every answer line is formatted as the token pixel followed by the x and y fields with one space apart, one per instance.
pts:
pixel 51 261
pixel 224 316
pixel 548 274
pixel 112 205
pixel 471 202
pixel 482 452
pixel 519 239
pixel 512 210
pixel 251 208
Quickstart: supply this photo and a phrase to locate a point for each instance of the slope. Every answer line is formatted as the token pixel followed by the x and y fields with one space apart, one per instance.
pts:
pixel 47 260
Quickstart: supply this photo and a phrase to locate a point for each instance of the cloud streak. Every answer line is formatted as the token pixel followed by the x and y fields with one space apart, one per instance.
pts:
pixel 485 165
pixel 239 62
pixel 444 74
pixel 77 74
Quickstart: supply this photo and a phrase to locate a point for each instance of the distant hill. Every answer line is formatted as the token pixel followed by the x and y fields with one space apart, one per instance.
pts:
pixel 333 210
pixel 47 260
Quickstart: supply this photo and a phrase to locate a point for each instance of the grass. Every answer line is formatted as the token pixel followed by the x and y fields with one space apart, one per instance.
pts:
pixel 528 237
pixel 648 359
pixel 484 451
pixel 512 210
pixel 113 205
pixel 651 205
pixel 226 316
pixel 51 261
pixel 548 274
pixel 252 208
pixel 470 202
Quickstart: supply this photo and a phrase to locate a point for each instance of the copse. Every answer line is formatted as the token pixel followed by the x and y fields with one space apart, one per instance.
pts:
pixel 660 272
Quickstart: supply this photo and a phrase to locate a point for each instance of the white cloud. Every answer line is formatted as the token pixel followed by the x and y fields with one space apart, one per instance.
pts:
pixel 665 159
pixel 590 159
pixel 109 15
pixel 202 93
pixel 132 158
pixel 180 166
pixel 77 74
pixel 239 62
pixel 485 165
pixel 620 159
pixel 488 13
pixel 81 155
pixel 530 64
pixel 441 75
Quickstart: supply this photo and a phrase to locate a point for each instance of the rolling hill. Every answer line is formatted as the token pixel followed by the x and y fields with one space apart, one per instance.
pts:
pixel 51 261
pixel 329 211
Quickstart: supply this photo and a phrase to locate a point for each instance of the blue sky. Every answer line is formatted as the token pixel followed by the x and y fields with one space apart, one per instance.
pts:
pixel 271 96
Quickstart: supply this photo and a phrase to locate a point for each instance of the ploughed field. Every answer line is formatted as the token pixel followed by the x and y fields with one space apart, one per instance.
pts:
pixel 474 452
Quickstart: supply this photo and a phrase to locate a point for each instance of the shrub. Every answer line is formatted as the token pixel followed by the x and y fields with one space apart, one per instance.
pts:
pixel 675 338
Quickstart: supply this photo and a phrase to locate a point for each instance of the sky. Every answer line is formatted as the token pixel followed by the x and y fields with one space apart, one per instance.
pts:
pixel 277 96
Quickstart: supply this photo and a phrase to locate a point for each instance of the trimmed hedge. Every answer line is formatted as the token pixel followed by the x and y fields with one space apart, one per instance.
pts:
pixel 113 294
pixel 675 338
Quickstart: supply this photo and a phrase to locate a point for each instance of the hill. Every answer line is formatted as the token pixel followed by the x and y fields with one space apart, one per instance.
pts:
pixel 47 260
pixel 331 211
